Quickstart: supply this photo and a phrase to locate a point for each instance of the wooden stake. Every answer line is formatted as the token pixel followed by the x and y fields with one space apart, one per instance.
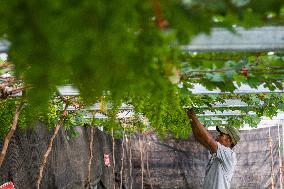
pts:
pixel 279 155
pixel 142 161
pixel 147 165
pixel 113 157
pixel 91 154
pixel 122 158
pixel 91 149
pixel 130 162
pixel 272 161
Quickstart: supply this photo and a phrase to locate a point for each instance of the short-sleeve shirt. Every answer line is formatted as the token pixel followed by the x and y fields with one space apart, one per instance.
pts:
pixel 220 168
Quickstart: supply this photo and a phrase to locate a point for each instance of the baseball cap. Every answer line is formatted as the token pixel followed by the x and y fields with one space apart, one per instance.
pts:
pixel 231 131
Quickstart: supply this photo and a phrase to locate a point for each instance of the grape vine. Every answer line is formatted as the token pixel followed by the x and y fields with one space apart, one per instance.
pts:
pixel 128 52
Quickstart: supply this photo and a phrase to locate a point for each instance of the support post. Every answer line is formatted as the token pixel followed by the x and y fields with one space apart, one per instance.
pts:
pixel 282 125
pixel 280 158
pixel 272 161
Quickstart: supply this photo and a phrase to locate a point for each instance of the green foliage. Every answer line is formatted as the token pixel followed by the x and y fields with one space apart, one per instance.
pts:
pixel 225 71
pixel 114 46
pixel 7 108
pixel 127 50
pixel 221 70
pixel 166 115
pixel 7 112
pixel 27 119
pixel 73 118
pixel 258 105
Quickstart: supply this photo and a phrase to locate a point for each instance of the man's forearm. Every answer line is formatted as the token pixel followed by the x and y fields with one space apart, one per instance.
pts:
pixel 199 131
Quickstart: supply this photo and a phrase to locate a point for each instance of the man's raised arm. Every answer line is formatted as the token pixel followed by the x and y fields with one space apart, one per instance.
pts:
pixel 200 133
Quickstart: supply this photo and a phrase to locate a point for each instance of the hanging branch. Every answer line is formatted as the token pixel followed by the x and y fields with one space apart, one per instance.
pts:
pixel 122 158
pixel 56 129
pixel 11 132
pixel 113 158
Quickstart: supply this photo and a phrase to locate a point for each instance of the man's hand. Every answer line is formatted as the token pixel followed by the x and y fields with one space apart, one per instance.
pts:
pixel 190 112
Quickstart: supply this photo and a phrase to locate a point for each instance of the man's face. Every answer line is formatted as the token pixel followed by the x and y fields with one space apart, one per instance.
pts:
pixel 224 139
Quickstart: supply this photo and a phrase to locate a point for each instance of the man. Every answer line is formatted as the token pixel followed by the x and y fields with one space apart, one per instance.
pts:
pixel 220 168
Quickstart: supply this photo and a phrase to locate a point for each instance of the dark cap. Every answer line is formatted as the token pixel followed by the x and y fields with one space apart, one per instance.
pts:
pixel 231 131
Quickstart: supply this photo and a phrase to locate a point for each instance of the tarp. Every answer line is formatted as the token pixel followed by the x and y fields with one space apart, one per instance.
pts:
pixel 168 164
pixel 181 163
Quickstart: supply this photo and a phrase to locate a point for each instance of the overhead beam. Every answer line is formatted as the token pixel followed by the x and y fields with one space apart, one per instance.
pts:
pixel 225 113
pixel 242 89
pixel 253 40
pixel 268 38
pixel 70 90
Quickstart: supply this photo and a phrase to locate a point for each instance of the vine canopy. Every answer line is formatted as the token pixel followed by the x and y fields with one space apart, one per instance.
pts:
pixel 127 50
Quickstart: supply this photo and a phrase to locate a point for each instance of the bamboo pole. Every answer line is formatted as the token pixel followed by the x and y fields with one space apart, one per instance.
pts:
pixel 44 160
pixel 130 162
pixel 282 125
pixel 147 165
pixel 113 157
pixel 91 154
pixel 142 161
pixel 91 149
pixel 280 158
pixel 122 158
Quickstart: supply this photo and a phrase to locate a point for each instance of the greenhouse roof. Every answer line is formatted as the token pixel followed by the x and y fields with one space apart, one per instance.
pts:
pixel 268 38
pixel 254 39
pixel 242 89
